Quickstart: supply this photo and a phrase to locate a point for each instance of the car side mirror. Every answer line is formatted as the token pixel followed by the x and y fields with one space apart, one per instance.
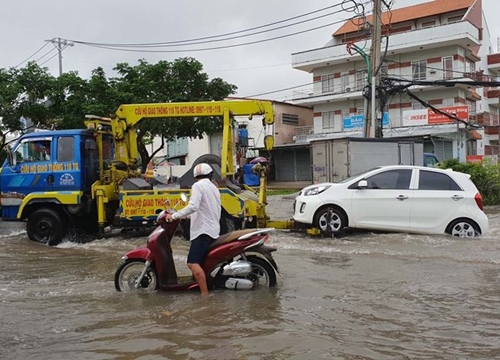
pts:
pixel 12 159
pixel 362 184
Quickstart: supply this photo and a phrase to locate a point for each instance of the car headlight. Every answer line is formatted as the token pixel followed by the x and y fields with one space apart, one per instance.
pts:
pixel 316 190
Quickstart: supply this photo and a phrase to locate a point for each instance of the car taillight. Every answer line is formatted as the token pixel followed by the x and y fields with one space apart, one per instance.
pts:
pixel 479 201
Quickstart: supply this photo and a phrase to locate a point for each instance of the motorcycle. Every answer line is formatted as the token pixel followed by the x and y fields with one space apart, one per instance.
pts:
pixel 238 260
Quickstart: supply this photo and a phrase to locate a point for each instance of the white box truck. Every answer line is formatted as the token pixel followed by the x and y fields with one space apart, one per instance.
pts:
pixel 334 160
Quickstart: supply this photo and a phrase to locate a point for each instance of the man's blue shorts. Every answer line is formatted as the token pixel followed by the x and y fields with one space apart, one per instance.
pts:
pixel 199 248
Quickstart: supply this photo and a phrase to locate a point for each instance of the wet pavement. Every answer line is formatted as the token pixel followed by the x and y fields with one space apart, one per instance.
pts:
pixel 364 296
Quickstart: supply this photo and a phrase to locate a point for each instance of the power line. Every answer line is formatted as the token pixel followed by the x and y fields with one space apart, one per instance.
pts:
pixel 231 37
pixel 50 58
pixel 219 47
pixel 190 41
pixel 29 57
pixel 276 91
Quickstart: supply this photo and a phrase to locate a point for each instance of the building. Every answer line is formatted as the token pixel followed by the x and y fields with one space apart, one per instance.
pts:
pixel 435 40
pixel 290 161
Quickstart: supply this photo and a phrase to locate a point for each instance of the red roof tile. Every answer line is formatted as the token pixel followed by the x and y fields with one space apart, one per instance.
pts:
pixel 435 7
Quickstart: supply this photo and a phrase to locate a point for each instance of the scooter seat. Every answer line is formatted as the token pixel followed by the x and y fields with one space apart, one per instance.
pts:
pixel 233 235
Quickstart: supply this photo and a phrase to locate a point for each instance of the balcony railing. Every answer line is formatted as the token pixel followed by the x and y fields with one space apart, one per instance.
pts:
pixel 461 33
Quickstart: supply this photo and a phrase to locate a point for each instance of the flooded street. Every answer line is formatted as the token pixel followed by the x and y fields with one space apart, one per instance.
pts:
pixel 364 296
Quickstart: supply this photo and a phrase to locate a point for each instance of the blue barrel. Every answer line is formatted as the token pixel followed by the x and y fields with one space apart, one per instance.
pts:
pixel 249 177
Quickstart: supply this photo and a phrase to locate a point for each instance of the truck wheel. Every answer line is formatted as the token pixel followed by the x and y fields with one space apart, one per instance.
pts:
pixel 330 220
pixel 46 226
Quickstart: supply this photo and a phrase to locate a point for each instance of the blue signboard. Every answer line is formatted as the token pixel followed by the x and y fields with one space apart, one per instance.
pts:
pixel 357 122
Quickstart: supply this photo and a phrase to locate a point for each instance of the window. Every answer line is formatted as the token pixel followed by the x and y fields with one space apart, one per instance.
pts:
pixel 290 119
pixel 429 24
pixel 417 106
pixel 391 179
pixel 452 19
pixel 327 83
pixel 328 121
pixel 472 106
pixel 65 149
pixel 448 102
pixel 430 180
pixel 345 82
pixel 33 150
pixel 447 67
pixel 361 80
pixel 470 66
pixel 419 69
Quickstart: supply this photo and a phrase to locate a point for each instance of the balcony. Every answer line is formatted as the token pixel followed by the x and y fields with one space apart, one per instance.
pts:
pixel 493 96
pixel 460 33
pixel 320 94
pixel 494 62
pixel 485 119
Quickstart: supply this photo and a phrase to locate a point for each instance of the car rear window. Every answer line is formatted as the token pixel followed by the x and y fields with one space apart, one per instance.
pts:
pixel 430 180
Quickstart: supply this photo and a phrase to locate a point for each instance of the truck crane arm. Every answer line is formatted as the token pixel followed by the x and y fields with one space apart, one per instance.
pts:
pixel 128 116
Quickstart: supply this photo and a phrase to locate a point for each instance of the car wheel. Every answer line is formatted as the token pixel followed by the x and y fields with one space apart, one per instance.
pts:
pixel 330 220
pixel 463 228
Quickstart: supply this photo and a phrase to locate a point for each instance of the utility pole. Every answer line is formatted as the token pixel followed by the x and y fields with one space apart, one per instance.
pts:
pixel 371 122
pixel 60 45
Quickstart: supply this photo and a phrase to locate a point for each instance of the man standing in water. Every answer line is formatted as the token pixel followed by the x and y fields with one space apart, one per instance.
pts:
pixel 204 209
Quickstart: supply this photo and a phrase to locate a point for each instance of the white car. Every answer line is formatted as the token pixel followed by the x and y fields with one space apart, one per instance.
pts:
pixel 397 198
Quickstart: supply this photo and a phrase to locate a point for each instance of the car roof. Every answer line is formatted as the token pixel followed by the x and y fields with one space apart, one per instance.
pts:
pixel 388 167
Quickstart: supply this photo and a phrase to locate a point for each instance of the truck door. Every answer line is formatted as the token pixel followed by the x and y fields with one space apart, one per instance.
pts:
pixel 30 171
pixel 66 164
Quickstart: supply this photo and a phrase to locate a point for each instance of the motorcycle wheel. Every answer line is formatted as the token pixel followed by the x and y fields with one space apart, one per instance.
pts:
pixel 129 271
pixel 266 276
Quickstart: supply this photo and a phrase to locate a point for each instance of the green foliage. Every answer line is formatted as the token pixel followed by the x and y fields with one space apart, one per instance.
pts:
pixel 485 175
pixel 64 101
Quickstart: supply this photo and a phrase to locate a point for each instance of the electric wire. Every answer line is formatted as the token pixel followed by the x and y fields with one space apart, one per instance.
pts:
pixel 29 57
pixel 218 47
pixel 190 41
pixel 50 58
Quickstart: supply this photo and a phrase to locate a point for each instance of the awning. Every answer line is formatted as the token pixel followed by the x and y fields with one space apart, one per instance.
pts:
pixel 475 135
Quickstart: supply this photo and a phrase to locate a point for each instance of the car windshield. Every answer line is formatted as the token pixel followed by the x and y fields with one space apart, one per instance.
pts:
pixel 358 175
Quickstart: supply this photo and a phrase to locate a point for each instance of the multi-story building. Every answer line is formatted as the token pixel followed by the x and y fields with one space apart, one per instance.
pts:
pixel 436 40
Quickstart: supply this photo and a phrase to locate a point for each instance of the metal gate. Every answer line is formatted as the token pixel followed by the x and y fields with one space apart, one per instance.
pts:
pixel 292 165
pixel 442 149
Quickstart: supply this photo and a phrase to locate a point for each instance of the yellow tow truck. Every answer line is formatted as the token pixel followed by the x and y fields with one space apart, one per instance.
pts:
pixel 92 180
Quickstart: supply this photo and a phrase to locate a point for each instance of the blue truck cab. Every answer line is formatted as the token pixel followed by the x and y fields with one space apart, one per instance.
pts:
pixel 48 175
pixel 430 160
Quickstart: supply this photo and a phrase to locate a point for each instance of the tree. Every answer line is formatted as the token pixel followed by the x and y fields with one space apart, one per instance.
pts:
pixel 24 93
pixel 180 81
pixel 63 102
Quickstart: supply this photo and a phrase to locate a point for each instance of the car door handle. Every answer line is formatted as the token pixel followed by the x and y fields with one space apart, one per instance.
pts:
pixel 402 197
pixel 457 197
pixel 50 179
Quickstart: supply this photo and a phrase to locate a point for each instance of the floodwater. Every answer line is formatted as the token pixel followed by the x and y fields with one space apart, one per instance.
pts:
pixel 364 296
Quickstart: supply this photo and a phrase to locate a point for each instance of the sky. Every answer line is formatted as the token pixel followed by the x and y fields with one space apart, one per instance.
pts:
pixel 260 68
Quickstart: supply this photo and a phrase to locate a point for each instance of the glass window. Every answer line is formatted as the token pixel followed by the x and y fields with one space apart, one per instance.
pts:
pixel 448 67
pixel 419 69
pixel 328 121
pixel 430 180
pixel 327 83
pixel 65 148
pixel 33 150
pixel 417 106
pixel 391 179
pixel 361 79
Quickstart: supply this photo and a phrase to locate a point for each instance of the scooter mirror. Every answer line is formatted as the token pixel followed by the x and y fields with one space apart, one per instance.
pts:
pixel 184 198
